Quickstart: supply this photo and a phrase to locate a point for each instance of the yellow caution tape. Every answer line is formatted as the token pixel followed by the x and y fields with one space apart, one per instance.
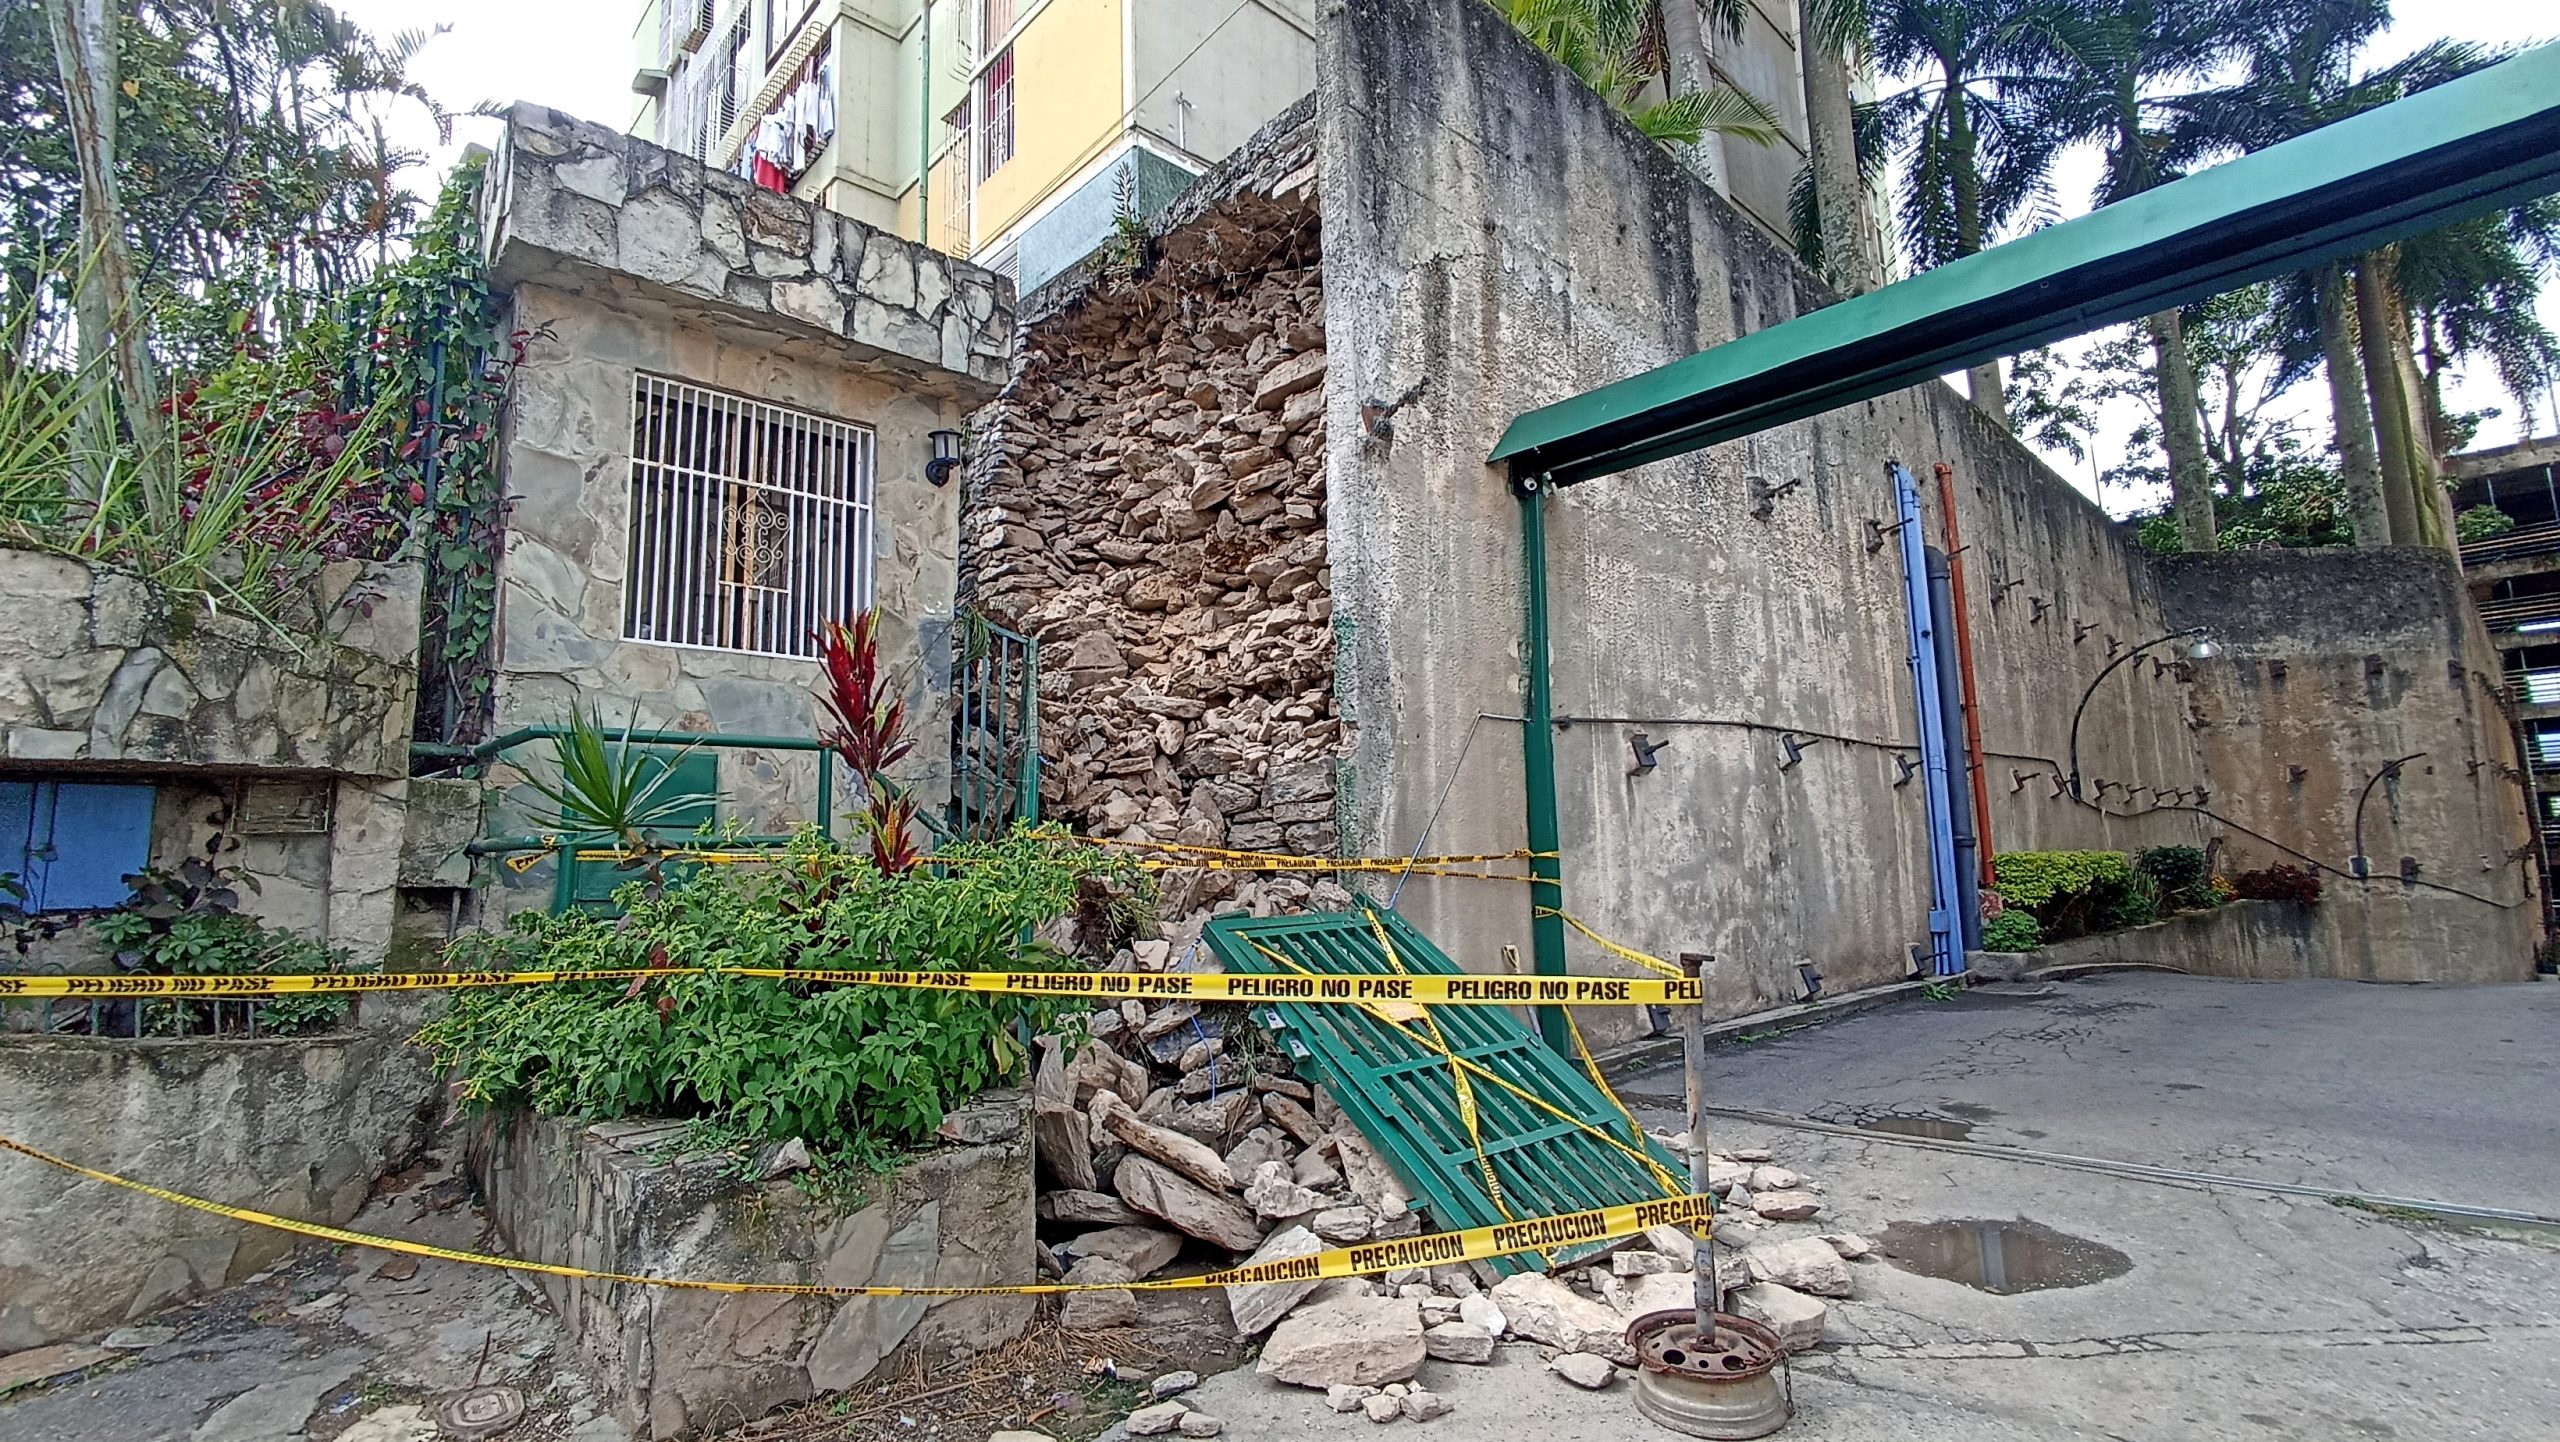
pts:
pixel 1430 1250
pixel 1670 1184
pixel 1376 991
pixel 1623 953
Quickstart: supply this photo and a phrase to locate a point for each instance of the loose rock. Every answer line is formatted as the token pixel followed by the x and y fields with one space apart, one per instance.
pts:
pixel 1806 1264
pixel 1422 1406
pixel 1584 1370
pixel 1458 1342
pixel 1157 1420
pixel 1785 1206
pixel 1363 1341
pixel 1542 1309
pixel 1796 1318
pixel 1258 1307
pixel 1345 1397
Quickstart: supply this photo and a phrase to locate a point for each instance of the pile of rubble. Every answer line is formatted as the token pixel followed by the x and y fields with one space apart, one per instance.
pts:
pixel 1158 1142
pixel 1154 513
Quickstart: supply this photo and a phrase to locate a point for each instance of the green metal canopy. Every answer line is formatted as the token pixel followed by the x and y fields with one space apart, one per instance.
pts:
pixel 2467 148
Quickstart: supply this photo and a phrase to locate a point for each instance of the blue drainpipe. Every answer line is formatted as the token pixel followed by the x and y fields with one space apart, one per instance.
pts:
pixel 1946 938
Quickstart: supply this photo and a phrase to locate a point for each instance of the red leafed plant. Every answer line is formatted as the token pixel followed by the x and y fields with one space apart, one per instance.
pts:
pixel 869 732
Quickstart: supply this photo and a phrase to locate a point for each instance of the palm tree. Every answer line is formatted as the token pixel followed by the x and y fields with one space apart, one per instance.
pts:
pixel 1976 154
pixel 2299 73
pixel 2125 51
pixel 1843 156
pixel 1610 45
pixel 2471 290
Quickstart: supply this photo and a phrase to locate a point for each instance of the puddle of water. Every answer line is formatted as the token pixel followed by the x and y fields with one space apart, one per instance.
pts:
pixel 1938 1127
pixel 2001 1257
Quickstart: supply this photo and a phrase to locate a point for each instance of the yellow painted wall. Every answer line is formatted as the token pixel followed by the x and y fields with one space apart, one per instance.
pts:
pixel 1066 67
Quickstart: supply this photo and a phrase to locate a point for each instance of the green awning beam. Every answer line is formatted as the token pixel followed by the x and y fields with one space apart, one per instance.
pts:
pixel 2471 147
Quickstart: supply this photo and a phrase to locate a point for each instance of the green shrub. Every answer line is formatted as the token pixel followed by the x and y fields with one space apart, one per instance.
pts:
pixel 2135 903
pixel 2012 931
pixel 2481 523
pixel 2071 892
pixel 186 922
pixel 2033 878
pixel 855 1070
pixel 2180 873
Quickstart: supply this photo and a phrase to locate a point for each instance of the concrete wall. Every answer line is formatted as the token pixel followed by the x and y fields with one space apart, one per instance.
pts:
pixel 1496 235
pixel 680 1364
pixel 2336 664
pixel 297 1127
pixel 2330 939
pixel 625 260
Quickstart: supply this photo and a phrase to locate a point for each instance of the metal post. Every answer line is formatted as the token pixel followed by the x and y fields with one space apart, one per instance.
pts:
pixel 1693 1056
pixel 1026 796
pixel 1538 761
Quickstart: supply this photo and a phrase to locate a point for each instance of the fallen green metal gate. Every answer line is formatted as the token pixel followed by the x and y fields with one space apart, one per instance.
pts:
pixel 1399 1092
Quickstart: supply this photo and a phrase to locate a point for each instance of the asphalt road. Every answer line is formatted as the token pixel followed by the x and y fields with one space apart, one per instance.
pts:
pixel 2242 1315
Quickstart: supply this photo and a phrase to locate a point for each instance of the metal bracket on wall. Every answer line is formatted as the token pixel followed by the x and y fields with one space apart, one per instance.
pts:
pixel 2001 591
pixel 2113 645
pixel 2080 631
pixel 2060 785
pixel 1793 745
pixel 1764 496
pixel 1877 531
pixel 2018 780
pixel 2040 607
pixel 1910 768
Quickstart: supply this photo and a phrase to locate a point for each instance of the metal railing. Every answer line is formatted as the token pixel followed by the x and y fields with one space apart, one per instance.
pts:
pixel 995 729
pixel 2515 545
pixel 2509 613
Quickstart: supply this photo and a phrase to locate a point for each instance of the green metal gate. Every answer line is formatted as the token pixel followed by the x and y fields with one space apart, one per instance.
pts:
pixel 995 729
pixel 1400 1093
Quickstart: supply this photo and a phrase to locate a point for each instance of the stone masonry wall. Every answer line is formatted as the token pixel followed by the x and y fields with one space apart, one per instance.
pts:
pixel 97 666
pixel 1156 517
pixel 298 1126
pixel 682 1364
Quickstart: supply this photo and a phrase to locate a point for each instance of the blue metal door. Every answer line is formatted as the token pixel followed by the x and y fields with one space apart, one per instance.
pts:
pixel 73 843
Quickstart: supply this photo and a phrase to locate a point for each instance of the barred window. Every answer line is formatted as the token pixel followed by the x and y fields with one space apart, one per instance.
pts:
pixel 995 103
pixel 750 523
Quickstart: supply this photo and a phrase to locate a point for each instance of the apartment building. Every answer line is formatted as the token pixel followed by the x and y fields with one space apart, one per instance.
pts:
pixel 1017 132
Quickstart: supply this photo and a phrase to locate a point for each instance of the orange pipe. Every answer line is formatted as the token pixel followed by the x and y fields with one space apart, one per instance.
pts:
pixel 1964 669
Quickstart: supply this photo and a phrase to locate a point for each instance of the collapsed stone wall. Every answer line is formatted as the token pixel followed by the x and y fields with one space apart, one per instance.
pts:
pixel 1154 512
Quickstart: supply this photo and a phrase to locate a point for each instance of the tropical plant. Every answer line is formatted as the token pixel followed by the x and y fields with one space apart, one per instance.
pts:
pixel 869 733
pixel 2123 52
pixel 858 1071
pixel 1611 46
pixel 2298 71
pixel 2072 892
pixel 186 921
pixel 1976 151
pixel 1845 151
pixel 2179 871
pixel 604 789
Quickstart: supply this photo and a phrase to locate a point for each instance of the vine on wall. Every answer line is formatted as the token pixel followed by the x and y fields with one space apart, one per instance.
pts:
pixel 427 338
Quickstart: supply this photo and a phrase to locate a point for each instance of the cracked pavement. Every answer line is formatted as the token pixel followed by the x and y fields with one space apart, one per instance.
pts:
pixel 2245 1315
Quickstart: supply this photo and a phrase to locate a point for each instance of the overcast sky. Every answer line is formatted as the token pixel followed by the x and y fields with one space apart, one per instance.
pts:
pixel 578 56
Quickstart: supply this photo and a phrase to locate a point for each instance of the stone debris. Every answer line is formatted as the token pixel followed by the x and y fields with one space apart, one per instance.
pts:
pixel 1645 1264
pixel 1382 1408
pixel 1796 1318
pixel 1421 1406
pixel 1362 1341
pixel 1458 1342
pixel 1849 1245
pixel 1346 1397
pixel 1805 1264
pixel 1173 1384
pixel 1162 1193
pixel 1256 1308
pixel 134 1339
pixel 1789 1206
pixel 1585 1370
pixel 1157 1420
pixel 1482 1311
pixel 1542 1309
pixel 1767 1178
pixel 1200 1424
pixel 1145 1251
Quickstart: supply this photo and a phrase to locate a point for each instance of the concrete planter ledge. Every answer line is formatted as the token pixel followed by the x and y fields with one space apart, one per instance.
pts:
pixel 604 1196
pixel 2378 932
pixel 99 666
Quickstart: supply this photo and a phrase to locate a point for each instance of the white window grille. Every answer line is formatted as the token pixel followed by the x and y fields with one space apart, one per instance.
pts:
pixel 958 189
pixel 995 104
pixel 750 523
